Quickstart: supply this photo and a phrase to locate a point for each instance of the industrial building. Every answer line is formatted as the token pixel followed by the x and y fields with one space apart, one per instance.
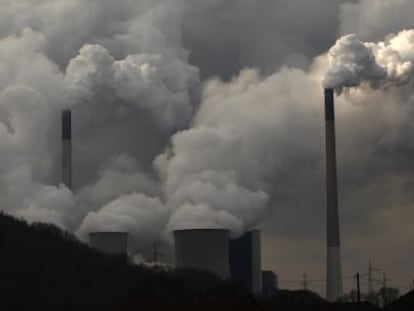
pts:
pixel 245 262
pixel 270 282
pixel 112 243
pixel 203 249
pixel 212 250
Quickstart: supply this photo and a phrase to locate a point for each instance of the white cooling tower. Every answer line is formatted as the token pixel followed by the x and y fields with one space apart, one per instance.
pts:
pixel 113 243
pixel 203 249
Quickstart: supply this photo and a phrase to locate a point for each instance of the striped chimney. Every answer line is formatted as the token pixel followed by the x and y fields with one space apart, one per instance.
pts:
pixel 67 148
pixel 333 260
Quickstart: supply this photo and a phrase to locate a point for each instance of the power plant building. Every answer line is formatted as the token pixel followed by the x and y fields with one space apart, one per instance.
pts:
pixel 111 243
pixel 203 249
pixel 270 283
pixel 245 262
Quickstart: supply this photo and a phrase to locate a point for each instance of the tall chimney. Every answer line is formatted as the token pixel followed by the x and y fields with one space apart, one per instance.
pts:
pixel 333 260
pixel 67 148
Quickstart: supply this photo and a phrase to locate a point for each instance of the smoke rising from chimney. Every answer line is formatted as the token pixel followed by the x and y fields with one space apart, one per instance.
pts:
pixel 381 64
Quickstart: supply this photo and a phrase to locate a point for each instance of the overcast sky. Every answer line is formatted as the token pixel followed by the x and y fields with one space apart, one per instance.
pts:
pixel 195 114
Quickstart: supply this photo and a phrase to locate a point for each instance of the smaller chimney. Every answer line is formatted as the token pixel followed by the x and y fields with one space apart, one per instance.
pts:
pixel 67 148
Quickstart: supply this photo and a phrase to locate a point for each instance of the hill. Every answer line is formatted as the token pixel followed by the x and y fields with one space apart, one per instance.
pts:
pixel 42 266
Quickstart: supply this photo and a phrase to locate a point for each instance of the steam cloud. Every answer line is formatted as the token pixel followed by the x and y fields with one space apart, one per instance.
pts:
pixel 386 63
pixel 133 74
pixel 155 83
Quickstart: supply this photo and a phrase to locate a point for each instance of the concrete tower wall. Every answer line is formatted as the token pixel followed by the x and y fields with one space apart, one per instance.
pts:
pixel 113 243
pixel 245 262
pixel 67 148
pixel 203 249
pixel 333 266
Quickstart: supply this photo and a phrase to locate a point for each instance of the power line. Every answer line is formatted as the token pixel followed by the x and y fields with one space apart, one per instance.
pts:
pixel 371 279
pixel 385 280
pixel 305 281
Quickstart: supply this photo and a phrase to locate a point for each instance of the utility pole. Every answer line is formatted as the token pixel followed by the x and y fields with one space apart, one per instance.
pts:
pixel 358 289
pixel 385 294
pixel 384 279
pixel 371 278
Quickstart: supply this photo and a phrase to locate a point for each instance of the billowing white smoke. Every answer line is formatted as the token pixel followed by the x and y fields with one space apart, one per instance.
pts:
pixel 154 82
pixel 143 217
pixel 207 182
pixel 386 63
pixel 218 173
pixel 29 99
pixel 49 204
pixel 121 68
pixel 125 73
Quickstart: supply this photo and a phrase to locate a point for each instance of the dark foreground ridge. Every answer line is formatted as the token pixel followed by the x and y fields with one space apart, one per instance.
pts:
pixel 45 268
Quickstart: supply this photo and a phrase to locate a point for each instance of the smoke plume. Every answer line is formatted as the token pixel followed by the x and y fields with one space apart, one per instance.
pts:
pixel 125 74
pixel 385 63
pixel 219 172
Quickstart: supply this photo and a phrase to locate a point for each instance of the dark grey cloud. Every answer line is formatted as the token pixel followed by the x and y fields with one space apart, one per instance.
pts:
pixel 226 36
pixel 373 20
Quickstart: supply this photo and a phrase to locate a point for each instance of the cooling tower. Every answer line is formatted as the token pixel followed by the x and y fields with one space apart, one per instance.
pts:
pixel 203 249
pixel 245 262
pixel 67 148
pixel 333 260
pixel 112 243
